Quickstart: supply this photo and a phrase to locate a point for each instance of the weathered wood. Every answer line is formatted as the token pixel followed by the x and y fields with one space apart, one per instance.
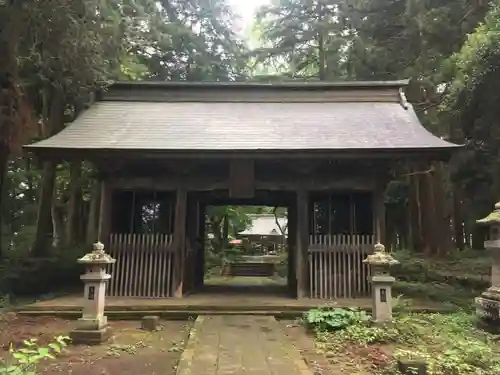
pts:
pixel 97 156
pixel 379 213
pixel 144 265
pixel 241 178
pixel 200 241
pixel 257 95
pixel 104 212
pixel 192 249
pixel 290 183
pixel 180 239
pixel 93 218
pixel 336 268
pixel 302 231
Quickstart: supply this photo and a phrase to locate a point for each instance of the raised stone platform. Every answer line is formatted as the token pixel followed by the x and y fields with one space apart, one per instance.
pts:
pixel 233 296
pixel 200 304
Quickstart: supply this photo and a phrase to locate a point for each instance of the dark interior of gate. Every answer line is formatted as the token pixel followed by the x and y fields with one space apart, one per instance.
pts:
pixel 340 233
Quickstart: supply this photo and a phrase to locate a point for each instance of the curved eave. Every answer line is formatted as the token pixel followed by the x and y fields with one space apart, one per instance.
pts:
pixel 436 154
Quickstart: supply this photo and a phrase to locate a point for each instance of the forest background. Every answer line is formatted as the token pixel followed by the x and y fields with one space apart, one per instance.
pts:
pixel 54 54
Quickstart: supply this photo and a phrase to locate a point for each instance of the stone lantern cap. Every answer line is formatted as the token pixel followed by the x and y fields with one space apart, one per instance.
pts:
pixel 493 217
pixel 380 258
pixel 97 256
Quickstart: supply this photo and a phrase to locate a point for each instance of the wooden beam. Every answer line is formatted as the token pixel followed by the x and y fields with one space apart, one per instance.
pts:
pixel 241 178
pixel 281 183
pixel 96 155
pixel 179 239
pixel 257 95
pixel 302 233
pixel 104 212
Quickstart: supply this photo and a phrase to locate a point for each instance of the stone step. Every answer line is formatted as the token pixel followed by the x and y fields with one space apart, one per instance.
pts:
pixel 250 269
pixel 167 315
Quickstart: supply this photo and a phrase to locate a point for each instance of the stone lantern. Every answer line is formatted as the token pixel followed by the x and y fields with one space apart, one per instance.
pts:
pixel 488 304
pixel 92 327
pixel 381 262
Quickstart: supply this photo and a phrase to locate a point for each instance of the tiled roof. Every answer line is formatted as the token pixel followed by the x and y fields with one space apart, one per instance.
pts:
pixel 265 225
pixel 175 124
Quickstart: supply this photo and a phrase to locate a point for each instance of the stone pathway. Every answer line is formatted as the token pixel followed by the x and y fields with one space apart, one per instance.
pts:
pixel 240 344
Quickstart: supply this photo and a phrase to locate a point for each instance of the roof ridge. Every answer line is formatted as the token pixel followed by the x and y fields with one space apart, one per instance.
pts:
pixel 253 84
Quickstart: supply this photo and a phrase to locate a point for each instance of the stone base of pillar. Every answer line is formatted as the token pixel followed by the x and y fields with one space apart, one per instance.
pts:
pixel 90 337
pixel 382 298
pixel 92 324
pixel 488 311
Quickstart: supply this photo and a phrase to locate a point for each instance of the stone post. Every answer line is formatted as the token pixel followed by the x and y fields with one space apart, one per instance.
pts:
pixel 92 327
pixel 488 304
pixel 380 262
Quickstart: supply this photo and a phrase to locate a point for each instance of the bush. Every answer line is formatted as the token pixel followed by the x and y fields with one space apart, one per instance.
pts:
pixel 23 275
pixel 24 361
pixel 334 319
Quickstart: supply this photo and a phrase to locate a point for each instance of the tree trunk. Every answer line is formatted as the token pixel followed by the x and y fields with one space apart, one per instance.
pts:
pixel 458 221
pixel 58 235
pixel 74 190
pixel 10 17
pixel 44 230
pixel 321 45
pixel 414 214
pixel 478 237
pixel 225 232
pixel 442 231
pixel 4 163
pixel 428 214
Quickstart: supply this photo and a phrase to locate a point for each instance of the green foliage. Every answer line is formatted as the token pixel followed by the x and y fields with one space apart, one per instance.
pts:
pixel 334 319
pixel 301 39
pixel 472 105
pixel 449 343
pixel 455 280
pixel 24 361
pixel 22 275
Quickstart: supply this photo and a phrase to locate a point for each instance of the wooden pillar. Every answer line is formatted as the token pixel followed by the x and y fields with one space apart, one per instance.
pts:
pixel 190 258
pixel 379 214
pixel 104 213
pixel 200 258
pixel 302 232
pixel 292 249
pixel 179 239
pixel 94 214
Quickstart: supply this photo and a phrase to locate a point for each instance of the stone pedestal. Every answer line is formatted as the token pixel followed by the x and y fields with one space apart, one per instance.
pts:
pixel 412 367
pixel 150 323
pixel 488 304
pixel 92 327
pixel 382 282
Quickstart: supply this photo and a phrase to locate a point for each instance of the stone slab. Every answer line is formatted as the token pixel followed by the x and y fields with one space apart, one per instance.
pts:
pixel 240 344
pixel 90 337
